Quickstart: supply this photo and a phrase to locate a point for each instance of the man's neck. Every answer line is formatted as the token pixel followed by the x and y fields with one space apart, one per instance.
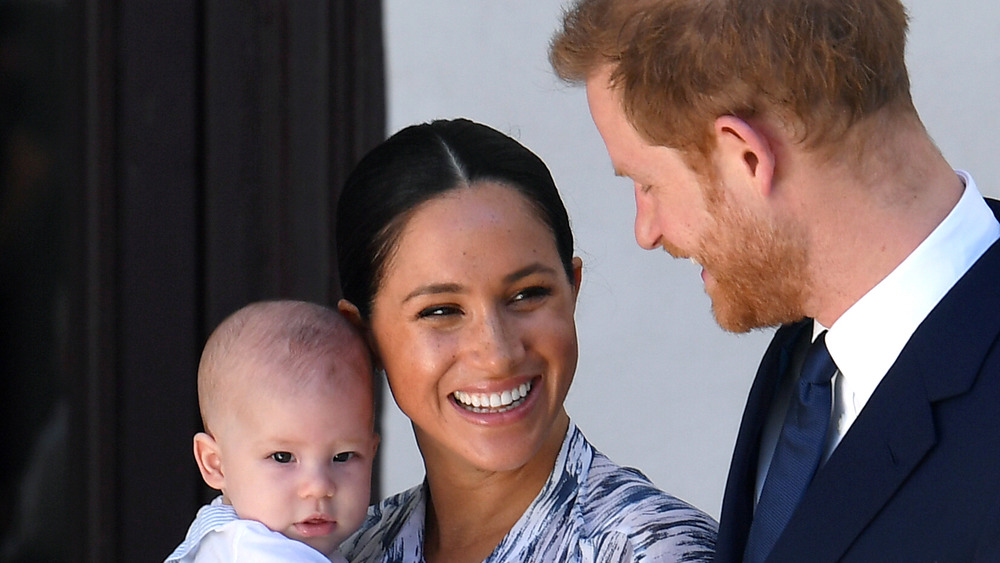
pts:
pixel 868 219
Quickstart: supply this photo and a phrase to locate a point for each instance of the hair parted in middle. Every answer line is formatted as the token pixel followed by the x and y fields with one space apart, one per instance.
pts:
pixel 417 164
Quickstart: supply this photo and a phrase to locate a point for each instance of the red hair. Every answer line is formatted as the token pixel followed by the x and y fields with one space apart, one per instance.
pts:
pixel 816 68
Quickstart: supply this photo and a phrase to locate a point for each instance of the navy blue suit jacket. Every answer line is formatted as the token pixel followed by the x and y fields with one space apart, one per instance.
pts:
pixel 917 477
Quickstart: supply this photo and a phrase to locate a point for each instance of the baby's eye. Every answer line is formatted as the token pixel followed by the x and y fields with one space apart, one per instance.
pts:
pixel 282 457
pixel 343 457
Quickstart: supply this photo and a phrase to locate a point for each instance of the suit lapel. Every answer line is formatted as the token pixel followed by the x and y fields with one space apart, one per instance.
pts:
pixel 886 442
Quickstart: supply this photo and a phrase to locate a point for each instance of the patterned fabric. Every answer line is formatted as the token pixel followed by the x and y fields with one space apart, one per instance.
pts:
pixel 219 535
pixel 589 510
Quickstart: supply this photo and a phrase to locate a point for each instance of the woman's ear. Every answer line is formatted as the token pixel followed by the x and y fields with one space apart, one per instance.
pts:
pixel 746 151
pixel 209 459
pixel 350 312
pixel 577 275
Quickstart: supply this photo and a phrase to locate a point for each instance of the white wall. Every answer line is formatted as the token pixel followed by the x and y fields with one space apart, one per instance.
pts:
pixel 659 385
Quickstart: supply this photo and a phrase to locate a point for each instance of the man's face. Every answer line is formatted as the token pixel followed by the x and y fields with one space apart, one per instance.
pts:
pixel 753 262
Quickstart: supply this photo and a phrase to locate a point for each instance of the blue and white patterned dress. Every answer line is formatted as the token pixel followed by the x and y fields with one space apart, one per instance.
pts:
pixel 589 510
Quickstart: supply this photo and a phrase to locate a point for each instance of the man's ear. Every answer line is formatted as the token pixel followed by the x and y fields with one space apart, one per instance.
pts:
pixel 746 150
pixel 209 459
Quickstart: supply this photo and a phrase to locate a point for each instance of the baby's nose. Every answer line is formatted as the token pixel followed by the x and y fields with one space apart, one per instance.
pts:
pixel 318 483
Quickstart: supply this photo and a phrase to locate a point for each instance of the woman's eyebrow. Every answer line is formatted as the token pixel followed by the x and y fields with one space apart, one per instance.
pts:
pixel 526 271
pixel 434 288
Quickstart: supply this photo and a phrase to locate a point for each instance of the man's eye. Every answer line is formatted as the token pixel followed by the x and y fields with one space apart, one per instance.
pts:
pixel 282 457
pixel 342 457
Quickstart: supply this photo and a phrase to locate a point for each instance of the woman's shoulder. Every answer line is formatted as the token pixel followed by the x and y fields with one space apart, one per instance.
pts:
pixel 618 501
pixel 615 488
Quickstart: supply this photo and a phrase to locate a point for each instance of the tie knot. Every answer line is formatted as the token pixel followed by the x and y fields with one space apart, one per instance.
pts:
pixel 818 368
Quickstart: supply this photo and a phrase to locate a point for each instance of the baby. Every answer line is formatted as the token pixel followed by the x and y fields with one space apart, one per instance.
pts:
pixel 285 390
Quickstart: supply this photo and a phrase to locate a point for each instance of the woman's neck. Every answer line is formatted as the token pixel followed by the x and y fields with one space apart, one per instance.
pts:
pixel 469 510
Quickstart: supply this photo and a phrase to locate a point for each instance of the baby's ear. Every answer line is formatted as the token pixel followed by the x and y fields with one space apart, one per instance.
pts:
pixel 209 459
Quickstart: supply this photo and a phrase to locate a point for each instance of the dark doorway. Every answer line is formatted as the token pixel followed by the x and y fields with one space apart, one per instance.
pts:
pixel 161 164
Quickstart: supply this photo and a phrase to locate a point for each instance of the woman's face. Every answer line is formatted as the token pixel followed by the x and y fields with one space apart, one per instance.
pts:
pixel 474 326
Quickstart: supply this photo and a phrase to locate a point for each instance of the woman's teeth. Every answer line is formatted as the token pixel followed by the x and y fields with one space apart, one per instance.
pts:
pixel 493 402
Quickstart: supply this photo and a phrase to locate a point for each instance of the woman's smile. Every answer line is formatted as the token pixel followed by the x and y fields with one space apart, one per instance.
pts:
pixel 495 402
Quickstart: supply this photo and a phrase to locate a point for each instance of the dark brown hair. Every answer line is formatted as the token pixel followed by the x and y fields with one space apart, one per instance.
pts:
pixel 417 164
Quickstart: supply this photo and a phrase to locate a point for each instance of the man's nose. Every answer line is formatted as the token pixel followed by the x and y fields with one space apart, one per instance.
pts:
pixel 647 233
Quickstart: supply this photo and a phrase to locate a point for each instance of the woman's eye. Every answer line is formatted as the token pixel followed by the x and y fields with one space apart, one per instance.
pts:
pixel 437 311
pixel 343 456
pixel 530 293
pixel 282 457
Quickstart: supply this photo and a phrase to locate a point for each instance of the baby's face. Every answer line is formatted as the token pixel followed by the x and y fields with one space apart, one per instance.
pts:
pixel 301 463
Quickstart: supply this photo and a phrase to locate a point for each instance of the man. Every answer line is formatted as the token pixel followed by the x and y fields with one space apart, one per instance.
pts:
pixel 776 144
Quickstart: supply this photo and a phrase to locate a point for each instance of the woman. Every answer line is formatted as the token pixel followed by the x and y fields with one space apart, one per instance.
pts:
pixel 456 259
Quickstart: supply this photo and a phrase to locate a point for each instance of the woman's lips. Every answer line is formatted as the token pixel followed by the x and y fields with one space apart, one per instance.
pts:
pixel 495 402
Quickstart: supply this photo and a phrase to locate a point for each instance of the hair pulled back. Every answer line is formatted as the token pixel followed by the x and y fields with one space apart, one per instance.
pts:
pixel 417 164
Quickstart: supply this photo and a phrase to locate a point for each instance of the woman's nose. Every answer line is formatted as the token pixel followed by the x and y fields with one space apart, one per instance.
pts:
pixel 498 346
pixel 647 234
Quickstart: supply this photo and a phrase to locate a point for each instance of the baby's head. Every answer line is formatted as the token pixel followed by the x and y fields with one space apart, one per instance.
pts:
pixel 285 389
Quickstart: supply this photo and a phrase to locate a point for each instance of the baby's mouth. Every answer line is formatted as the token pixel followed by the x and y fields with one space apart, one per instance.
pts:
pixel 503 401
pixel 319 525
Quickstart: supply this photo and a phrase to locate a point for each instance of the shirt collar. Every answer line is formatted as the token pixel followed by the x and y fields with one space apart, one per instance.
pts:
pixel 866 340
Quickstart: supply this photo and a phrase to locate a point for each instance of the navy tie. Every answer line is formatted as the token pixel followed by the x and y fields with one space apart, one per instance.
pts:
pixel 797 454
